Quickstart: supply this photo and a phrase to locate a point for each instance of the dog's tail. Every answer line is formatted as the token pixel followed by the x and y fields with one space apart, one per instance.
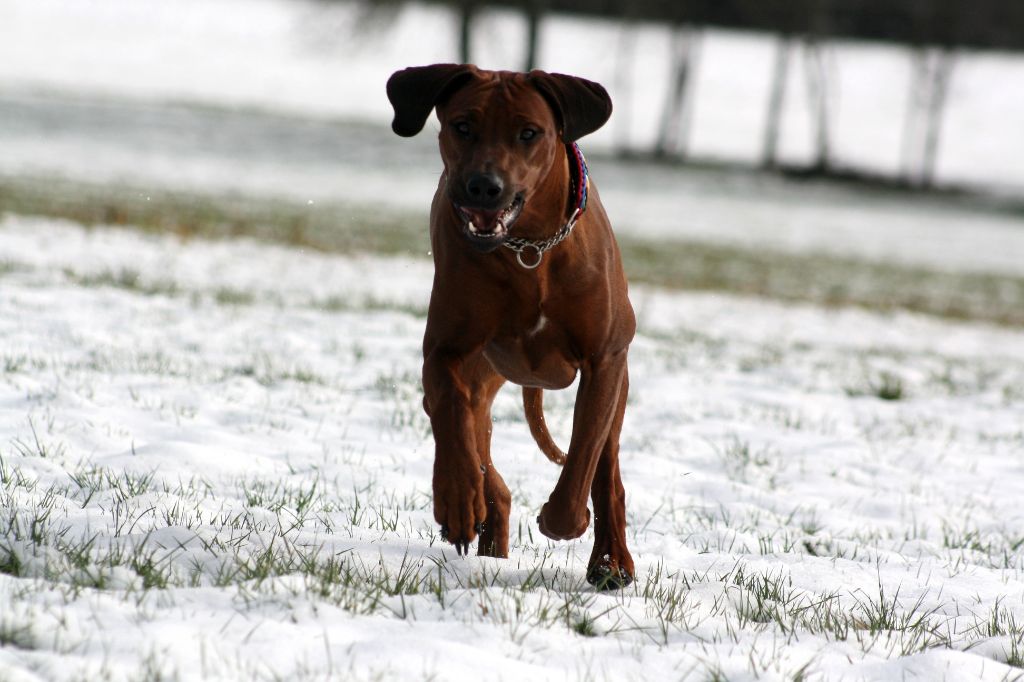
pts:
pixel 533 405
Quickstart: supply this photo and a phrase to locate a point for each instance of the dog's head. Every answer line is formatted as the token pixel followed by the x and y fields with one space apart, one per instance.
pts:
pixel 500 134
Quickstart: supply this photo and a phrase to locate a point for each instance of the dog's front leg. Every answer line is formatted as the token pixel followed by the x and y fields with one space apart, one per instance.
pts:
pixel 459 502
pixel 565 515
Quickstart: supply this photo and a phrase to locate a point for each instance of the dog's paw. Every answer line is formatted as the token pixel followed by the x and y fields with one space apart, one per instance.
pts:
pixel 608 575
pixel 460 509
pixel 561 525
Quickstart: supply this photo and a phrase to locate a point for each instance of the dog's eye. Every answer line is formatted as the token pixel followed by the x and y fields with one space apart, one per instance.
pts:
pixel 462 128
pixel 527 134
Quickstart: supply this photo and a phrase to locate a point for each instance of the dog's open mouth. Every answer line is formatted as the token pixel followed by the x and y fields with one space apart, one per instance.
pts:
pixel 486 228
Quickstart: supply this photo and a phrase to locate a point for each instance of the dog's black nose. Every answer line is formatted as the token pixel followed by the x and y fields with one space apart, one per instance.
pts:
pixel 484 187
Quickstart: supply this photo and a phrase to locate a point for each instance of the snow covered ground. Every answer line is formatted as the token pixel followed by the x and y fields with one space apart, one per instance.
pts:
pixel 213 464
pixel 213 460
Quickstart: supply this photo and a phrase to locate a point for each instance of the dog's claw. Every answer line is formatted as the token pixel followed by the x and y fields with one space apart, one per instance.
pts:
pixel 604 578
pixel 461 543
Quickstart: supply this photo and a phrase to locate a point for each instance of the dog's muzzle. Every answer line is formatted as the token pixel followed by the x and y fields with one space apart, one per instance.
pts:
pixel 486 229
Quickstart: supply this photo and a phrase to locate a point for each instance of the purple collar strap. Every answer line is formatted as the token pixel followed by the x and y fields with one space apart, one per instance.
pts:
pixel 579 183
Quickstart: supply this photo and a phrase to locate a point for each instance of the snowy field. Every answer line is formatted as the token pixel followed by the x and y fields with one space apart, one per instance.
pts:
pixel 214 464
pixel 213 459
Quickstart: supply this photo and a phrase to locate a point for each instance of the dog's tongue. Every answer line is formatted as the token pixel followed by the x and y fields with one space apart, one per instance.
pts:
pixel 484 221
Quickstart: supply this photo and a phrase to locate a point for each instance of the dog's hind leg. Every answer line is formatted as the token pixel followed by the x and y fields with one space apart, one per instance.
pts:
pixel 610 566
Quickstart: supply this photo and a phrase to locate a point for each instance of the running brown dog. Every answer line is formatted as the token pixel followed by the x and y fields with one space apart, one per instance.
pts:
pixel 528 288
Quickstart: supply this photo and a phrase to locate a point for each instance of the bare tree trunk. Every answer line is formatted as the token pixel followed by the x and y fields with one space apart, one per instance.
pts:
pixel 776 101
pixel 688 96
pixel 926 103
pixel 911 143
pixel 817 85
pixel 465 30
pixel 624 56
pixel 674 120
pixel 941 73
pixel 534 11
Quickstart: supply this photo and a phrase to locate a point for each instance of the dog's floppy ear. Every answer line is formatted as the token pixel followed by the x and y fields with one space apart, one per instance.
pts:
pixel 582 106
pixel 414 92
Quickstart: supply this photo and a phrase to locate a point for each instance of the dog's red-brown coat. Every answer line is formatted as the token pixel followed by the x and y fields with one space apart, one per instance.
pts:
pixel 491 320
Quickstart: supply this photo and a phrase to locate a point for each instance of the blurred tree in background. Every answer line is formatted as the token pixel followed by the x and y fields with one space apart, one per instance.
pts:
pixel 934 31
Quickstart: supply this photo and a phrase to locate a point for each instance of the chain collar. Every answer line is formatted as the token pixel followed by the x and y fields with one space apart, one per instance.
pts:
pixel 519 245
pixel 579 183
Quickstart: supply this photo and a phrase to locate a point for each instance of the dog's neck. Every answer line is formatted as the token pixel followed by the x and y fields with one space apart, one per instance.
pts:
pixel 566 184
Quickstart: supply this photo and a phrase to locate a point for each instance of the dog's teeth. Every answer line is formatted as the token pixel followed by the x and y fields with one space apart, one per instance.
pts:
pixel 472 227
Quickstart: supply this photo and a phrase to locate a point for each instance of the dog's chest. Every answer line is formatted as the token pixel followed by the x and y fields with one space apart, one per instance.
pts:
pixel 535 352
